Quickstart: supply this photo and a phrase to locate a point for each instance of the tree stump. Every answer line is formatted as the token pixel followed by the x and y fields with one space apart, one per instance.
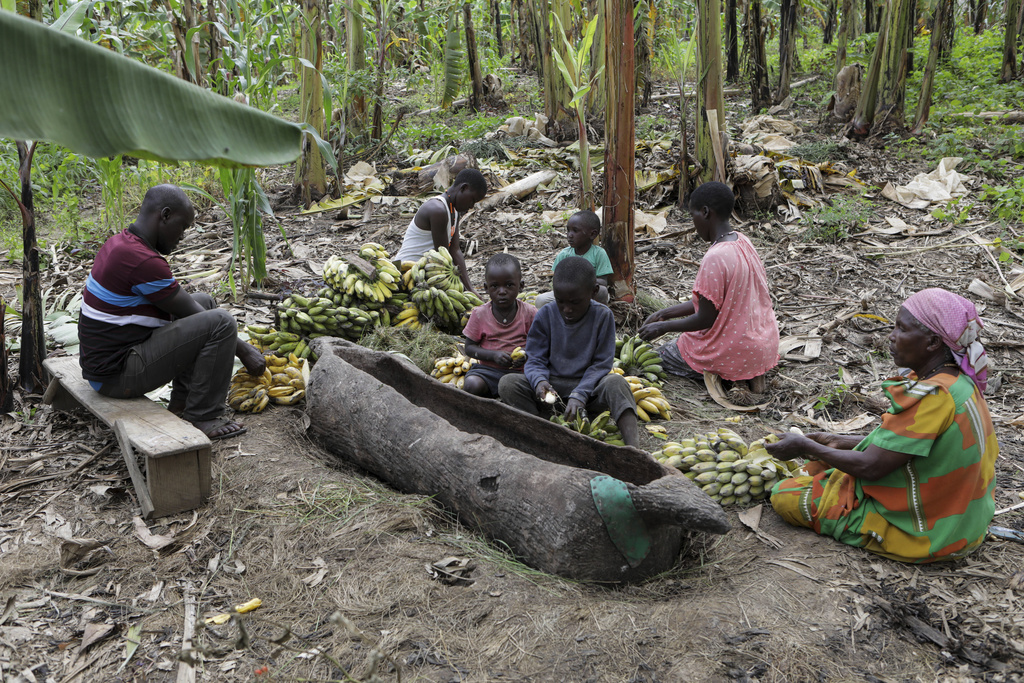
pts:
pixel 439 176
pixel 563 503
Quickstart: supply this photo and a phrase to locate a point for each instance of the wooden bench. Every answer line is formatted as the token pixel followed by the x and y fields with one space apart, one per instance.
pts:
pixel 176 454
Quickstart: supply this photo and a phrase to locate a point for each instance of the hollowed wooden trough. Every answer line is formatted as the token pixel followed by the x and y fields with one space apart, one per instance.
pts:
pixel 564 503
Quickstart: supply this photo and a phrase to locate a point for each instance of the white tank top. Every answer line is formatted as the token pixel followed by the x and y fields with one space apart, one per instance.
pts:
pixel 418 241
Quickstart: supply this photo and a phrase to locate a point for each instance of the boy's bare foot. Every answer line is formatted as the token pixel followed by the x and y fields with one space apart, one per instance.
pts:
pixel 221 428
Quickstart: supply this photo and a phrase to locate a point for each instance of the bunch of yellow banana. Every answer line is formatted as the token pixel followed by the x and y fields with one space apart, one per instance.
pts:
pixel 602 427
pixel 288 379
pixel 408 317
pixel 269 340
pixel 453 369
pixel 377 287
pixel 528 297
pixel 435 289
pixel 637 357
pixel 650 402
pixel 248 394
pixel 725 467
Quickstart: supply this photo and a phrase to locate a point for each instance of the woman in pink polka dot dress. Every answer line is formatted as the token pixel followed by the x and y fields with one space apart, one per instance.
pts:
pixel 728 328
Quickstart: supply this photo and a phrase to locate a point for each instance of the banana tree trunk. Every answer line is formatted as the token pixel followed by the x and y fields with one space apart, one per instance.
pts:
pixel 829 30
pixel 710 98
pixel 557 94
pixel 643 44
pixel 33 341
pixel 787 46
pixel 476 97
pixel 760 90
pixel 892 79
pixel 864 115
pixel 732 63
pixel 980 9
pixel 619 178
pixel 596 96
pixel 1014 10
pixel 949 34
pixel 845 29
pixel 310 173
pixel 213 45
pixel 496 14
pixel 869 16
pixel 6 386
pixel 924 104
pixel 356 57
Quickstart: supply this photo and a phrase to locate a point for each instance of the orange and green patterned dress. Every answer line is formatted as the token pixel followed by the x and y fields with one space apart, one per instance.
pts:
pixel 936 507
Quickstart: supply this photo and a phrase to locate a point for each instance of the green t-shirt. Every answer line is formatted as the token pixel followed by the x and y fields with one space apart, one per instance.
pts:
pixel 596 255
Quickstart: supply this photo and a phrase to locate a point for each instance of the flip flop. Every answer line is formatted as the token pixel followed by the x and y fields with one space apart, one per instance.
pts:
pixel 219 424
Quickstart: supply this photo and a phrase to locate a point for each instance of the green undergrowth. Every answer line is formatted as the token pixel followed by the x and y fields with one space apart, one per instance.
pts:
pixel 833 222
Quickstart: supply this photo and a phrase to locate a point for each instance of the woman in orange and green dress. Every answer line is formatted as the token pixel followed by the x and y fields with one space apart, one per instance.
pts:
pixel 919 488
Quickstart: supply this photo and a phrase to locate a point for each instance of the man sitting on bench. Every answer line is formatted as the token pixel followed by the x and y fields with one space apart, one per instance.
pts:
pixel 139 329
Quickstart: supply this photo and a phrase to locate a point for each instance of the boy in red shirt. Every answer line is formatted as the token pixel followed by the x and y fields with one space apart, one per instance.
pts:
pixel 495 330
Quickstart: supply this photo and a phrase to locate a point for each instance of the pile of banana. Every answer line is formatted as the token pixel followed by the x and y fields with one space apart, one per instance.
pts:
pixel 651 404
pixel 453 369
pixel 288 379
pixel 269 340
pixel 602 427
pixel 378 286
pixel 725 467
pixel 319 316
pixel 283 383
pixel 528 297
pixel 634 356
pixel 436 291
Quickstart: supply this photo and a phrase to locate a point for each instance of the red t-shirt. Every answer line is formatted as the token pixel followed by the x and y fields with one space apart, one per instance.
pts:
pixel 485 330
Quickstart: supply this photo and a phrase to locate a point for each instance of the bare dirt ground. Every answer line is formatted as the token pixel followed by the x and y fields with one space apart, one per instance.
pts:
pixel 339 559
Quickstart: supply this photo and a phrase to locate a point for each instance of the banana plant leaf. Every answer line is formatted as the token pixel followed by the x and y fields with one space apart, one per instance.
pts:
pixel 65 90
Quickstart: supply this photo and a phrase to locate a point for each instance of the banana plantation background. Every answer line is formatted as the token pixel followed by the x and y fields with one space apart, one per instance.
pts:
pixel 302 129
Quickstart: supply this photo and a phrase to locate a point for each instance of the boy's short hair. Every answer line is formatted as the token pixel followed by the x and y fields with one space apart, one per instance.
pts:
pixel 474 178
pixel 716 196
pixel 590 220
pixel 502 260
pixel 575 271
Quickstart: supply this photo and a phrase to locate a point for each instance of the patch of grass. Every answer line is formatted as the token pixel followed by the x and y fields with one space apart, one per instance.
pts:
pixel 1007 200
pixel 422 346
pixel 649 303
pixel 833 222
pixel 820 152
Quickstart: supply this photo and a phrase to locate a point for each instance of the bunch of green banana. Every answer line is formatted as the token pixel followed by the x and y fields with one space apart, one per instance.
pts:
pixel 729 470
pixel 288 379
pixel 248 393
pixel 378 287
pixel 452 370
pixel 268 340
pixel 319 316
pixel 408 317
pixel 435 289
pixel 650 402
pixel 602 427
pixel 637 357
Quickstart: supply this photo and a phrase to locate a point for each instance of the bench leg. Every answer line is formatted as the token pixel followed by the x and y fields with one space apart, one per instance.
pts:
pixel 59 397
pixel 139 481
pixel 180 482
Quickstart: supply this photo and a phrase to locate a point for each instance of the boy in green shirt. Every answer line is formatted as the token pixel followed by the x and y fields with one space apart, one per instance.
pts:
pixel 581 230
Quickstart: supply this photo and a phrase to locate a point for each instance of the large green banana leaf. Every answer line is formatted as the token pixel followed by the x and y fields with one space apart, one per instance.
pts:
pixel 62 89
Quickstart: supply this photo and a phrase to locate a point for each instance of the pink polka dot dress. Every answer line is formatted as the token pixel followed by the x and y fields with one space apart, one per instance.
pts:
pixel 744 341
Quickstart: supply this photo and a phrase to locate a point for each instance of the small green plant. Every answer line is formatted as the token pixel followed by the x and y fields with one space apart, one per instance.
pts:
pixel 835 221
pixel 108 172
pixel 1007 200
pixel 957 211
pixel 833 397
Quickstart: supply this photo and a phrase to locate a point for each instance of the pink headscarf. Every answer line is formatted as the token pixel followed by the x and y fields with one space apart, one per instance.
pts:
pixel 956 321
